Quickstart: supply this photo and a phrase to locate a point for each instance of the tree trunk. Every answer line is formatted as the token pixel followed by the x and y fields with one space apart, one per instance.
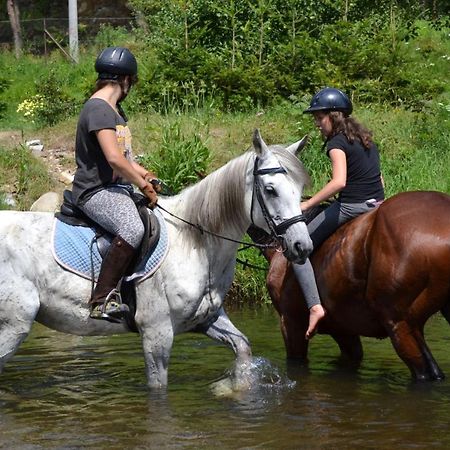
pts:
pixel 13 13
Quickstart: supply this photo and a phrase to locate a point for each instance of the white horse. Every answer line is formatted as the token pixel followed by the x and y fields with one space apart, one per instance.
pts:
pixel 262 186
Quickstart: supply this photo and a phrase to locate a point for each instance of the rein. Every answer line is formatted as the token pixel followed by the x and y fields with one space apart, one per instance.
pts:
pixel 276 229
pixel 203 231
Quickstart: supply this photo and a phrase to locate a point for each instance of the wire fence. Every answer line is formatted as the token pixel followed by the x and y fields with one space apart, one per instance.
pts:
pixel 42 36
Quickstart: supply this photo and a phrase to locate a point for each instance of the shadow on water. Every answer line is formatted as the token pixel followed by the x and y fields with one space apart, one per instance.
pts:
pixel 68 392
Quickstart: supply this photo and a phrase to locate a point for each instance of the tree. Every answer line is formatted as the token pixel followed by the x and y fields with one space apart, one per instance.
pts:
pixel 13 13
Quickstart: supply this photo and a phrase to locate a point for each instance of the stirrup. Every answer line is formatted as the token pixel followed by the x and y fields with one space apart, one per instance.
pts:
pixel 112 309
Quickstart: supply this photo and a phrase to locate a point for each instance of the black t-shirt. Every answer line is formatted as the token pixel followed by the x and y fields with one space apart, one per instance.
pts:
pixel 93 170
pixel 363 170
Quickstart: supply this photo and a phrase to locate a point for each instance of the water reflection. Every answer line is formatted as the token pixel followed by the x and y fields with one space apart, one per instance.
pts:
pixel 69 392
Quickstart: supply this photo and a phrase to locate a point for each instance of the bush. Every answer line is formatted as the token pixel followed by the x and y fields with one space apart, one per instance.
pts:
pixel 4 83
pixel 24 176
pixel 179 161
pixel 57 104
pixel 249 284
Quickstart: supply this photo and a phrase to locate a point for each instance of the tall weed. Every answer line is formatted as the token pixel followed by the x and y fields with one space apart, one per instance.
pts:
pixel 24 176
pixel 179 161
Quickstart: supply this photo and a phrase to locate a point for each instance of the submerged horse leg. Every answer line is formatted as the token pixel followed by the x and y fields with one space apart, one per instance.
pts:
pixel 409 343
pixel 350 347
pixel 223 330
pixel 288 300
pixel 157 344
pixel 19 304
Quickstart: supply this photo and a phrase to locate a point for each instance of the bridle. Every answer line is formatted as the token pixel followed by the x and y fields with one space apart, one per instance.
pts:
pixel 276 230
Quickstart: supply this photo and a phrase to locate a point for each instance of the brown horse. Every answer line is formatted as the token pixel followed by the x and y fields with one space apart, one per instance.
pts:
pixel 380 275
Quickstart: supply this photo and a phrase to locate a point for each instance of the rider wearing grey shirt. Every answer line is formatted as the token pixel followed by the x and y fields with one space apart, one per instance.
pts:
pixel 102 184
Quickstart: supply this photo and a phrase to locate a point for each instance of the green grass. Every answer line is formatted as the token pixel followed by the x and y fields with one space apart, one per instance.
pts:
pixel 414 144
pixel 414 149
pixel 23 175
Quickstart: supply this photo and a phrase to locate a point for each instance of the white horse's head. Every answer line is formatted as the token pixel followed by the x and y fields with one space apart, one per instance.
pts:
pixel 278 179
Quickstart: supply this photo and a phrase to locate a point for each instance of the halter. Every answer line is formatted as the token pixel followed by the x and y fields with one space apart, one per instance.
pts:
pixel 276 230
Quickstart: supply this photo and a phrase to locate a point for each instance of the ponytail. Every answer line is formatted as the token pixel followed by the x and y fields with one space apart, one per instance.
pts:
pixel 351 128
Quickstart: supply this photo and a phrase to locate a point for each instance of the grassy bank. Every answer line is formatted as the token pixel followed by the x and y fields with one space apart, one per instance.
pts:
pixel 191 133
pixel 414 146
pixel 414 149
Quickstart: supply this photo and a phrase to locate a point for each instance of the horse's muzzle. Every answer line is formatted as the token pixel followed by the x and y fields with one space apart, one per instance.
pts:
pixel 300 253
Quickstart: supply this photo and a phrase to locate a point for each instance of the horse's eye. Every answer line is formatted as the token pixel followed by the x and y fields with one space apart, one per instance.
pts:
pixel 270 190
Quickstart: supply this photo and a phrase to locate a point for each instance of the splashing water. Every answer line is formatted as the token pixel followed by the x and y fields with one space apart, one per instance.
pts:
pixel 251 376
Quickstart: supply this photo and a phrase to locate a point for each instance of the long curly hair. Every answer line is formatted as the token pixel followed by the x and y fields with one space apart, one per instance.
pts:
pixel 351 128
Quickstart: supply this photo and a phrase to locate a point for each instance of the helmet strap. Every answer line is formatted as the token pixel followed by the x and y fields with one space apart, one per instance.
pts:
pixel 108 76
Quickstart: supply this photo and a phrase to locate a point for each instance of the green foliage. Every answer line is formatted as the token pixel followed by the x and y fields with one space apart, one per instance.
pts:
pixel 237 56
pixel 179 161
pixel 23 175
pixel 252 53
pixel 420 158
pixel 4 83
pixel 177 83
pixel 250 278
pixel 109 36
pixel 57 104
pixel 60 82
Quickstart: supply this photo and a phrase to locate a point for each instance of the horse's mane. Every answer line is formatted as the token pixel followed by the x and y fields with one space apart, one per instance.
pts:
pixel 216 203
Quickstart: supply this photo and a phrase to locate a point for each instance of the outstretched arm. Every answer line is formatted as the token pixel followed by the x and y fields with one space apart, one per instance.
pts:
pixel 337 182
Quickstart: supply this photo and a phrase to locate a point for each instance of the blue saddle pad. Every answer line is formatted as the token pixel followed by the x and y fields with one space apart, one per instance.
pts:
pixel 72 245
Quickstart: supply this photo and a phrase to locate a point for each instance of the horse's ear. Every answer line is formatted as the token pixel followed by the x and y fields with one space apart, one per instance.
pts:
pixel 258 143
pixel 297 147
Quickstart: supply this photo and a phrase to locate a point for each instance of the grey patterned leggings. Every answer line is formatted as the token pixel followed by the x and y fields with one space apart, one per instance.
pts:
pixel 114 210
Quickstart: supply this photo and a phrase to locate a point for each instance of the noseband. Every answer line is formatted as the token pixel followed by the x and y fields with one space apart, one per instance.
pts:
pixel 277 230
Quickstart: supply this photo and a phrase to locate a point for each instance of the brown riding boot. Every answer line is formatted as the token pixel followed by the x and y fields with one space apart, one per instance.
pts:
pixel 106 302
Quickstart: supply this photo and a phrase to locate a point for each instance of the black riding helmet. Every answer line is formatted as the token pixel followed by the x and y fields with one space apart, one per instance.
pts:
pixel 330 99
pixel 115 61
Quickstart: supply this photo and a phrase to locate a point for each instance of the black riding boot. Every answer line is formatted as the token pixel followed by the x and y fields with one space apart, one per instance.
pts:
pixel 106 302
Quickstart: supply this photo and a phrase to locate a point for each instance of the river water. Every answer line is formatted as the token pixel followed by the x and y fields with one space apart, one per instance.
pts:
pixel 67 392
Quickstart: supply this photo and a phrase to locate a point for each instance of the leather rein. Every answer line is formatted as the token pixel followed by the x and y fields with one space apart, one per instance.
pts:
pixel 276 230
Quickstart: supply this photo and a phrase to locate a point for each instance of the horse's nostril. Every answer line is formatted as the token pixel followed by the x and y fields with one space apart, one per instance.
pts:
pixel 299 248
pixel 302 251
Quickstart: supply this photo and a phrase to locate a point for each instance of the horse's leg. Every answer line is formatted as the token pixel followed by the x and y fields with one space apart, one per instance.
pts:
pixel 19 304
pixel 157 344
pixel 288 301
pixel 350 346
pixel 223 330
pixel 293 328
pixel 406 332
pixel 433 367
pixel 409 343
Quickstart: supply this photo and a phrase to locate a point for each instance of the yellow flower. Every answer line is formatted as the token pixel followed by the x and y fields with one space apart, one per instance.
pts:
pixel 31 107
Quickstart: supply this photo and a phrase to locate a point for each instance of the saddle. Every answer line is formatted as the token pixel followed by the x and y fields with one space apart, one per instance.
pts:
pixel 72 215
pixel 151 252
